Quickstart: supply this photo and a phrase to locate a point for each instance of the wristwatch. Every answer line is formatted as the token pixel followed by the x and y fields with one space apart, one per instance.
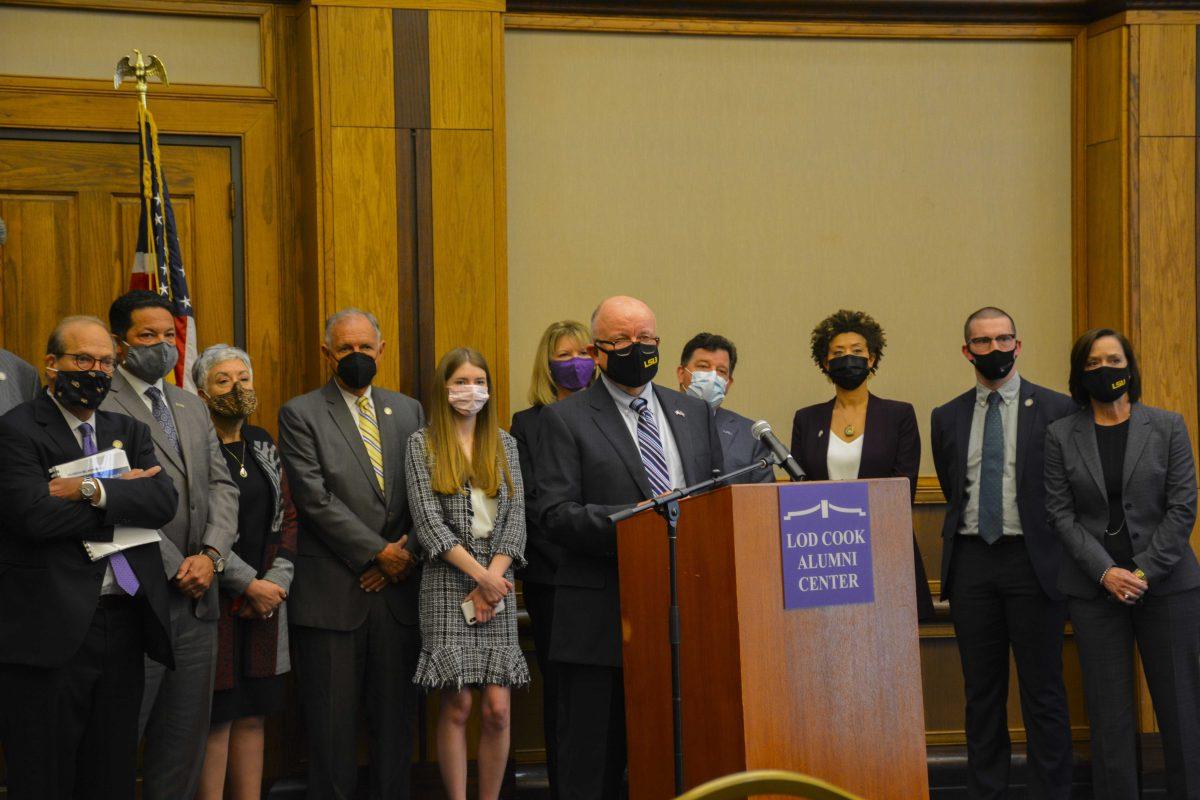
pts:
pixel 89 488
pixel 217 559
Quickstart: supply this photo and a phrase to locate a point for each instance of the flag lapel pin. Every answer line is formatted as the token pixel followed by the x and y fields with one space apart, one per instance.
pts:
pixel 680 413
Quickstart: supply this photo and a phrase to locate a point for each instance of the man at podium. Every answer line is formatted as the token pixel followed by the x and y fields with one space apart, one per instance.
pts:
pixel 619 442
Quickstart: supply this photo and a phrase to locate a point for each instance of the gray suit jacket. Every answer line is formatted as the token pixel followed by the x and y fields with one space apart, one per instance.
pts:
pixel 207 512
pixel 1158 491
pixel 18 382
pixel 740 447
pixel 345 520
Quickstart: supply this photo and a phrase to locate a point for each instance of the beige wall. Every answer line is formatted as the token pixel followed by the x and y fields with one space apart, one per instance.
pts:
pixel 84 43
pixel 750 186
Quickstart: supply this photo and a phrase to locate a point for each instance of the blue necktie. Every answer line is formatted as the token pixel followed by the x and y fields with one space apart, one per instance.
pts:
pixel 158 407
pixel 650 446
pixel 122 571
pixel 991 473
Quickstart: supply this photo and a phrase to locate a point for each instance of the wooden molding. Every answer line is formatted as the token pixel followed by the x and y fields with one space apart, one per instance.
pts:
pixel 929 491
pixel 892 11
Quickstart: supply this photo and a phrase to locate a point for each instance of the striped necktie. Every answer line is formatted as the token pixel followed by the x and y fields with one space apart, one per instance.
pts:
pixel 122 569
pixel 650 446
pixel 369 428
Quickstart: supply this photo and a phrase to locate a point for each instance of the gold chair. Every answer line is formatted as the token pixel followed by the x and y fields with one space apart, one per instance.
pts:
pixel 767 781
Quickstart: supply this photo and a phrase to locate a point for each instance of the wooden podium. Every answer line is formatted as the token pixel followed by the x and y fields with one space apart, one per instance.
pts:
pixel 833 692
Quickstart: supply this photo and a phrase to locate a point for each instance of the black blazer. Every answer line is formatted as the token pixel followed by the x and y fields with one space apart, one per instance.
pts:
pixel 588 467
pixel 1158 490
pixel 891 449
pixel 951 434
pixel 48 587
pixel 541 554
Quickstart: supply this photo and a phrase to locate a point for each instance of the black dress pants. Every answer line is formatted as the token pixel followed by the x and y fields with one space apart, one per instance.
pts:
pixel 591 732
pixel 996 603
pixel 343 673
pixel 539 602
pixel 72 732
pixel 1166 629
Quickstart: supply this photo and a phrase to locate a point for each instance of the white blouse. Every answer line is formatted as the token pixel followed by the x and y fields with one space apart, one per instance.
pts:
pixel 843 458
pixel 483 514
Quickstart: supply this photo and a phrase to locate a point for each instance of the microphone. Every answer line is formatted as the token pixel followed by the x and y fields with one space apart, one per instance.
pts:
pixel 762 432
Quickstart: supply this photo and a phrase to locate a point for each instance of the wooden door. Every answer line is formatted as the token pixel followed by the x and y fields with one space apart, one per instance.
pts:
pixel 72 212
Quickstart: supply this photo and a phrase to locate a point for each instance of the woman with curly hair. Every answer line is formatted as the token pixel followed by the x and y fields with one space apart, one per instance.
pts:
pixel 856 434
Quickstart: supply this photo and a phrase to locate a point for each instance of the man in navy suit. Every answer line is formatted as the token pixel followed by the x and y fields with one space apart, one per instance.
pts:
pixel 73 631
pixel 706 371
pixel 619 442
pixel 1000 561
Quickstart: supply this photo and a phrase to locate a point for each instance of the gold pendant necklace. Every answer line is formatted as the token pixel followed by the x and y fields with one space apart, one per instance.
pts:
pixel 241 461
pixel 848 432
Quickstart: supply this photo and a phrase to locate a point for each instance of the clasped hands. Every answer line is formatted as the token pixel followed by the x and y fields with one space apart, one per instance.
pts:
pixel 392 564
pixel 262 599
pixel 490 588
pixel 1124 586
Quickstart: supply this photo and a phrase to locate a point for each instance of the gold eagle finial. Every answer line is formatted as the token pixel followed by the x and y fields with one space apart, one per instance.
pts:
pixel 141 71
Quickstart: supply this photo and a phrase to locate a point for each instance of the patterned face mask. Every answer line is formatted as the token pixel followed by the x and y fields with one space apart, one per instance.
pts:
pixel 237 403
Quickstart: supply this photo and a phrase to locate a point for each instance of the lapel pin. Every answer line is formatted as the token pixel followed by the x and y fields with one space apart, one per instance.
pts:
pixel 3 377
pixel 117 443
pixel 1028 402
pixel 820 433
pixel 680 413
pixel 179 405
pixel 387 410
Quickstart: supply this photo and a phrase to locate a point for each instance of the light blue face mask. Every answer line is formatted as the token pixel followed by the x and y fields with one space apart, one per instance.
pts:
pixel 708 386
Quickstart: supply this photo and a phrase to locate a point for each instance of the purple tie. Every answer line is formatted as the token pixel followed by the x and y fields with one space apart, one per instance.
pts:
pixel 120 565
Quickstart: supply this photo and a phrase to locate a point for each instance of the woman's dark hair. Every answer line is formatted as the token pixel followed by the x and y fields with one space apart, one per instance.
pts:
pixel 1079 357
pixel 844 321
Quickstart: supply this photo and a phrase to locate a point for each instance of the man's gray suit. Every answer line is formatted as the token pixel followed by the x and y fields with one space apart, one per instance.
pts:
pixel 18 382
pixel 353 648
pixel 176 705
pixel 740 448
pixel 1158 494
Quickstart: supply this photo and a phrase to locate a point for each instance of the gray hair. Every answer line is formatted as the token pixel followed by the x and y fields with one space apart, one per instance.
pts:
pixel 347 313
pixel 54 345
pixel 215 355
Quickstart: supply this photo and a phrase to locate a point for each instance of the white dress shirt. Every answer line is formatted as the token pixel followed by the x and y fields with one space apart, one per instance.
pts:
pixel 109 584
pixel 140 386
pixel 352 404
pixel 623 399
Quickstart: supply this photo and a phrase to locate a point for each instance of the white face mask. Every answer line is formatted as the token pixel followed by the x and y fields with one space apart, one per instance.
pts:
pixel 708 386
pixel 468 400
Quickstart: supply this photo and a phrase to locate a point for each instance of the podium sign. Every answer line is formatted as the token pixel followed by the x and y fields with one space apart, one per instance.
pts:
pixel 825 533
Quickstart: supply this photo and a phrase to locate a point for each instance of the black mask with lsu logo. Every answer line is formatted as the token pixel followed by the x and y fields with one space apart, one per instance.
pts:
pixel 81 389
pixel 1106 384
pixel 634 365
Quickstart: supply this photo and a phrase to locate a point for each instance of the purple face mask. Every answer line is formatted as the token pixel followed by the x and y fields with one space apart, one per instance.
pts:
pixel 573 374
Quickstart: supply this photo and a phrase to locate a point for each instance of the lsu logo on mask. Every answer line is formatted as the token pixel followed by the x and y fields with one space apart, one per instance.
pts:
pixel 650 362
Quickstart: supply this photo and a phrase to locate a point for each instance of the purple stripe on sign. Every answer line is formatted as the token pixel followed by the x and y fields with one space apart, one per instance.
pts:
pixel 825 536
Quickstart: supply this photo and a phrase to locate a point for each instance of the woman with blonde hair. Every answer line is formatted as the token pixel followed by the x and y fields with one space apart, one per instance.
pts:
pixel 561 367
pixel 468 506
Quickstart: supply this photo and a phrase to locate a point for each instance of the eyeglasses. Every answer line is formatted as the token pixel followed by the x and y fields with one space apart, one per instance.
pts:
pixel 1004 341
pixel 86 362
pixel 620 344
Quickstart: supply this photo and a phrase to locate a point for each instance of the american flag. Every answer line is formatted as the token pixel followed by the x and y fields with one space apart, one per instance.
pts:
pixel 158 264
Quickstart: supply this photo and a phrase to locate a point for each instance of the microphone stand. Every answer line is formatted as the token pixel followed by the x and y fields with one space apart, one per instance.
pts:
pixel 667 506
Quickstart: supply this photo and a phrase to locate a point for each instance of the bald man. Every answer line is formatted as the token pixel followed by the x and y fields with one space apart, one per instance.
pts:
pixel 74 631
pixel 619 442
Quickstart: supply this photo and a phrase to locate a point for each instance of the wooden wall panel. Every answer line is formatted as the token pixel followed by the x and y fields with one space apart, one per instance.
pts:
pixel 357 43
pixel 41 231
pixel 364 232
pixel 463 242
pixel 1107 284
pixel 1167 80
pixel 1105 81
pixel 1167 279
pixel 460 69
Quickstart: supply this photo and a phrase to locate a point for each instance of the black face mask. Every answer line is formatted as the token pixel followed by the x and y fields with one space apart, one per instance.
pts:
pixel 633 366
pixel 996 364
pixel 1106 384
pixel 81 389
pixel 848 372
pixel 356 370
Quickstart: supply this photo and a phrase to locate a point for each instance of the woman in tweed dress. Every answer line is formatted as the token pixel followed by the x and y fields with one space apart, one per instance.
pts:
pixel 468 506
